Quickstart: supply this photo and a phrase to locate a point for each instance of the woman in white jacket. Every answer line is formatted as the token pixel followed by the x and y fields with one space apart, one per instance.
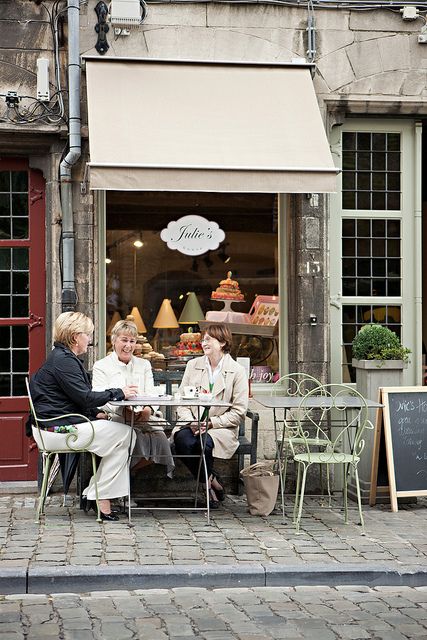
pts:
pixel 122 366
pixel 217 373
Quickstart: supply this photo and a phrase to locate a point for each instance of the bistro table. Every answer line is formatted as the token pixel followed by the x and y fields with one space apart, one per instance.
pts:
pixel 284 403
pixel 169 401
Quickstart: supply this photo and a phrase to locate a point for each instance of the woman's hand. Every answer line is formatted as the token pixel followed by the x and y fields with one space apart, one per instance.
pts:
pixel 130 391
pixel 196 428
pixel 101 416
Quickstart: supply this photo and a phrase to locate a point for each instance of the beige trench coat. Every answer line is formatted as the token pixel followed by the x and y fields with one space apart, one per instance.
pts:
pixel 231 386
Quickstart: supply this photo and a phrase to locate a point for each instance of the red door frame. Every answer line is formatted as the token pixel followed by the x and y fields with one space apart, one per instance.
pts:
pixel 14 410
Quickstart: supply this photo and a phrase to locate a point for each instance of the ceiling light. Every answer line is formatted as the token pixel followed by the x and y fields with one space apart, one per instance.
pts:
pixel 138 242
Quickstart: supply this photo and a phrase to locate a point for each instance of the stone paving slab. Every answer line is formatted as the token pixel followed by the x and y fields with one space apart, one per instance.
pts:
pixel 291 613
pixel 394 544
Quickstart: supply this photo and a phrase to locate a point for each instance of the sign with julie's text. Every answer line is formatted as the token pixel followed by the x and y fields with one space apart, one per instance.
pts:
pixel 193 235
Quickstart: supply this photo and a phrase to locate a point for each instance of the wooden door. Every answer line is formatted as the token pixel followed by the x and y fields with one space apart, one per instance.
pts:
pixel 22 309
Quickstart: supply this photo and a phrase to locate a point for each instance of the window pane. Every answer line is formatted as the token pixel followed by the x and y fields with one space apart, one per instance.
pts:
pixel 19 337
pixel 20 360
pixel 393 248
pixel 349 180
pixel 378 267
pixel 20 258
pixel 378 247
pixel 4 360
pixel 4 204
pixel 349 266
pixel 18 385
pixel 379 287
pixel 20 306
pixel 348 247
pixel 20 181
pixel 5 381
pixel 378 228
pixel 348 200
pixel 349 140
pixel 363 200
pixel 349 286
pixel 393 161
pixel 348 160
pixel 378 141
pixel 364 228
pixel 348 227
pixel 363 161
pixel 20 204
pixel 4 228
pixel 5 282
pixel 5 306
pixel 4 181
pixel 20 228
pixel 4 337
pixel 378 200
pixel 363 248
pixel 363 141
pixel 364 181
pixel 4 258
pixel 20 282
pixel 393 141
pixel 378 161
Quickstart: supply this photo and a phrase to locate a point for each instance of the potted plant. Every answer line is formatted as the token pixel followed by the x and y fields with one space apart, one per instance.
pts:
pixel 376 342
pixel 379 360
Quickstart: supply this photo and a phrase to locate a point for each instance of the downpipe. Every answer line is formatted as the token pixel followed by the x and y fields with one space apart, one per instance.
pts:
pixel 69 294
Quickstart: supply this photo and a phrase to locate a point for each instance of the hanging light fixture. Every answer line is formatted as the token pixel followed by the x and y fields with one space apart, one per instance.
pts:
pixel 136 317
pixel 192 312
pixel 138 243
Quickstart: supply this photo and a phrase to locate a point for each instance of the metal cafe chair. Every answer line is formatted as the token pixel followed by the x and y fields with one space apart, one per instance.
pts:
pixel 293 385
pixel 49 454
pixel 337 400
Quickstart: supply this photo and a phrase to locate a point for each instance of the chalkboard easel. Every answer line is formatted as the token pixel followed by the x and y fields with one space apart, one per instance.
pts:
pixel 403 425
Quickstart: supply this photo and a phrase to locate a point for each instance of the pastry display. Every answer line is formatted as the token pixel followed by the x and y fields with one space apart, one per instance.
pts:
pixel 189 345
pixel 228 289
pixel 144 350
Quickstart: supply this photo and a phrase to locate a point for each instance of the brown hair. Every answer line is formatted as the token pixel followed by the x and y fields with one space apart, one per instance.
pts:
pixel 124 326
pixel 221 333
pixel 68 324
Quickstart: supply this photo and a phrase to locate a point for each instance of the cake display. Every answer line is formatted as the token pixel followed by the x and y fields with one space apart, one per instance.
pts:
pixel 189 345
pixel 228 289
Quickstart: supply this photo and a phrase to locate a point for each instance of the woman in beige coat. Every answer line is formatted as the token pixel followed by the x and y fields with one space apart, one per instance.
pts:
pixel 217 373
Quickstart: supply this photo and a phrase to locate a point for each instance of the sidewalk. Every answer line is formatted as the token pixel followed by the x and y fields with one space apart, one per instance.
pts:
pixel 70 551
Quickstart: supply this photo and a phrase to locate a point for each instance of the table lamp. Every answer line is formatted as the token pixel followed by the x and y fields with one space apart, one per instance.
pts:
pixel 116 318
pixel 165 320
pixel 137 319
pixel 192 312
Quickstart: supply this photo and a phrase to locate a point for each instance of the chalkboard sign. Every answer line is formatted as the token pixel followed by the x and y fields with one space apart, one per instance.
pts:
pixel 405 433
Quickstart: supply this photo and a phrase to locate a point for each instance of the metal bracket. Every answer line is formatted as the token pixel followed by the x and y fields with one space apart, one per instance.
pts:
pixel 35 321
pixel 102 28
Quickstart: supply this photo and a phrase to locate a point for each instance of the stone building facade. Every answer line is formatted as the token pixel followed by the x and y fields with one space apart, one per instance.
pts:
pixel 369 78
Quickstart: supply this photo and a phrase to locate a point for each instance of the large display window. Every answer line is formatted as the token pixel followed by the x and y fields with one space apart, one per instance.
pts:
pixel 167 282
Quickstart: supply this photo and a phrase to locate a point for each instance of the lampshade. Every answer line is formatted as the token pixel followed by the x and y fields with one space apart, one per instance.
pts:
pixel 116 317
pixel 192 312
pixel 166 318
pixel 136 317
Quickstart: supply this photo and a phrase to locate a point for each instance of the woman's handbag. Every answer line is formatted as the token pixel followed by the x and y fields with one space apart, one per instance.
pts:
pixel 262 485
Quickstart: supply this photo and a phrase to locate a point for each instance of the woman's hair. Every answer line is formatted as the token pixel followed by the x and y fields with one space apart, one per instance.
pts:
pixel 68 324
pixel 124 326
pixel 221 333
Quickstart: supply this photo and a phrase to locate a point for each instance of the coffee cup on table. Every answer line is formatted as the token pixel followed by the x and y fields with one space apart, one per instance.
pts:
pixel 190 392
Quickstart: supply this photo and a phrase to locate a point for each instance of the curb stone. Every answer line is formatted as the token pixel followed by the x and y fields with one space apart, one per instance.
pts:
pixel 13 580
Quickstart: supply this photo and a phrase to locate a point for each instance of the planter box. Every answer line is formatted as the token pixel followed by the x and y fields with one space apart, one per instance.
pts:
pixel 370 376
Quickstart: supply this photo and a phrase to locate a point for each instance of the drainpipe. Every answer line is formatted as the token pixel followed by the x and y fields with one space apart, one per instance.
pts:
pixel 69 294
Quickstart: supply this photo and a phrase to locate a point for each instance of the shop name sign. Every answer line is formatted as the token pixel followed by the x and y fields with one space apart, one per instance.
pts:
pixel 193 235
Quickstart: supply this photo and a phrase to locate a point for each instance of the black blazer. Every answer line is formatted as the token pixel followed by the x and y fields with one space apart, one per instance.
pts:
pixel 62 385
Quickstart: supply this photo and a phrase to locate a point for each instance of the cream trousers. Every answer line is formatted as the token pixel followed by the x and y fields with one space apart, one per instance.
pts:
pixel 113 442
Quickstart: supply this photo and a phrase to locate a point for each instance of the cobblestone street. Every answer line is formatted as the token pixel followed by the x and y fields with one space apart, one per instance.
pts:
pixel 297 613
pixel 67 536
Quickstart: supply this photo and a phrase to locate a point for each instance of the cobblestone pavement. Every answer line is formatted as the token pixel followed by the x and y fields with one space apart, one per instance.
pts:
pixel 292 613
pixel 67 536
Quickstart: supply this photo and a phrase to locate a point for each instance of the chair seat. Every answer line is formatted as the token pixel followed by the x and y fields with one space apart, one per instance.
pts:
pixel 323 457
pixel 319 442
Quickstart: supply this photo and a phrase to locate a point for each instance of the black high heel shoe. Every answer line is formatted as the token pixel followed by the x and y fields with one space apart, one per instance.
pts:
pixel 220 493
pixel 91 504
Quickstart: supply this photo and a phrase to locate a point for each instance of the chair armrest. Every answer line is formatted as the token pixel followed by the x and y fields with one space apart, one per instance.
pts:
pixel 71 437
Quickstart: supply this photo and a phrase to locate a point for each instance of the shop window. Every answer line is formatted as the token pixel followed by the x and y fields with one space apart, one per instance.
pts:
pixel 142 271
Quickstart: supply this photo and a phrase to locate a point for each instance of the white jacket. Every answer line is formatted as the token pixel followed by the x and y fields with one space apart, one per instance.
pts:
pixel 111 372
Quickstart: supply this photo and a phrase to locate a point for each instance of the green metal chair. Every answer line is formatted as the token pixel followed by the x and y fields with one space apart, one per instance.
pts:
pixel 340 404
pixel 292 385
pixel 49 454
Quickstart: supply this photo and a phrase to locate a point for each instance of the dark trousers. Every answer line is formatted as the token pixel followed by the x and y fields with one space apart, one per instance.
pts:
pixel 186 443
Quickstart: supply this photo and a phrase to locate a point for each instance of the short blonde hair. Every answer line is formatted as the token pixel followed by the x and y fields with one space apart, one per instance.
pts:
pixel 124 326
pixel 68 324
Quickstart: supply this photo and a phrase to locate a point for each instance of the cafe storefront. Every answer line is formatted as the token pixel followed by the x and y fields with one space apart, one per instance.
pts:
pixel 202 147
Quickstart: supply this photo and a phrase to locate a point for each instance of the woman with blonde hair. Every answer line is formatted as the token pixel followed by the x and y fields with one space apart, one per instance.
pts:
pixel 117 369
pixel 62 386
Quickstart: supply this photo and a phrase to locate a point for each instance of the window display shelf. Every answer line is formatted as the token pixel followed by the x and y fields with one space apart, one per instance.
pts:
pixel 245 329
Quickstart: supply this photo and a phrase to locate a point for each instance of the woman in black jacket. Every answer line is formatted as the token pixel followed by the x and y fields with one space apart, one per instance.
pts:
pixel 62 386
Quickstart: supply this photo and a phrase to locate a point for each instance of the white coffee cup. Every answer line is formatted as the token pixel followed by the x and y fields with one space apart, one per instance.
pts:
pixel 190 392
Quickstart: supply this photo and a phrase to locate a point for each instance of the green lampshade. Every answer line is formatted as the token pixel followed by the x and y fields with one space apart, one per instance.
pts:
pixel 192 312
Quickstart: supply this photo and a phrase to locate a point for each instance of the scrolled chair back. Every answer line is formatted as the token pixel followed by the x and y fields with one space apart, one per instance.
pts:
pixel 70 438
pixel 339 416
pixel 294 384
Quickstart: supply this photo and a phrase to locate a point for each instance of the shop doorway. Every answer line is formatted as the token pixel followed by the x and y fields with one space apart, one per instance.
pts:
pixel 22 309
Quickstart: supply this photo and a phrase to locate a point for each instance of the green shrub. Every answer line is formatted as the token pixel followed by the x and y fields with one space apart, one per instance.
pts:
pixel 376 342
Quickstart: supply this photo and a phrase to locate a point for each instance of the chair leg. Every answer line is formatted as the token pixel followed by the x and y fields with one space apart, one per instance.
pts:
pixel 359 500
pixel 328 482
pixel 301 498
pixel 345 495
pixel 98 514
pixel 46 468
pixel 297 489
pixel 282 471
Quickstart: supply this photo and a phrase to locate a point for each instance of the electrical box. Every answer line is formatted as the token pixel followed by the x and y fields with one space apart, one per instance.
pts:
pixel 43 92
pixel 125 12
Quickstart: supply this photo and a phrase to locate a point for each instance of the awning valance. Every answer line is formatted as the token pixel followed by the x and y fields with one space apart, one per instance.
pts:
pixel 190 126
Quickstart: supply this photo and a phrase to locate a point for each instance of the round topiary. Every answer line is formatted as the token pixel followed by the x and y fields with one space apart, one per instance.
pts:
pixel 376 342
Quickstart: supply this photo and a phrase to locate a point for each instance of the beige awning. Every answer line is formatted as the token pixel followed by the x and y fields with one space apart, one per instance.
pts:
pixel 189 126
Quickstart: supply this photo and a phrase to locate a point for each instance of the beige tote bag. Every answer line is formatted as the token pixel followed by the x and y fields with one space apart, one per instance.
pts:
pixel 262 485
